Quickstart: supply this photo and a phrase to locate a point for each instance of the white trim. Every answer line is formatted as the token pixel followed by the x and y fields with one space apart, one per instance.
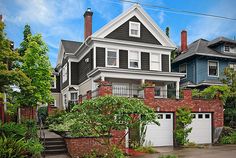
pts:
pixel 94 57
pixel 117 57
pixel 139 60
pixel 69 73
pixel 139 29
pixel 144 18
pixel 160 61
pixel 216 61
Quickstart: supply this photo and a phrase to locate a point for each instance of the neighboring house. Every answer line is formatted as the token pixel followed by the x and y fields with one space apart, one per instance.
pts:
pixel 128 51
pixel 204 61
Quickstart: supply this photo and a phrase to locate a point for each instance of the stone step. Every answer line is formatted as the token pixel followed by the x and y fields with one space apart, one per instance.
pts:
pixel 56 151
pixel 49 147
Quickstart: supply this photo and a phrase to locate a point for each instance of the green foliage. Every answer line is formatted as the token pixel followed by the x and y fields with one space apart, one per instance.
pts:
pixel 102 115
pixel 12 148
pixel 10 74
pixel 31 132
pixel 34 147
pixel 183 119
pixel 24 43
pixel 167 156
pixel 37 67
pixel 230 80
pixel 167 31
pixel 228 136
pixel 43 113
pixel 146 149
pixel 230 112
pixel 17 131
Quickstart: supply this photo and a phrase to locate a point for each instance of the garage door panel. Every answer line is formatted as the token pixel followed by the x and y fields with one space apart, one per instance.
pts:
pixel 201 128
pixel 160 135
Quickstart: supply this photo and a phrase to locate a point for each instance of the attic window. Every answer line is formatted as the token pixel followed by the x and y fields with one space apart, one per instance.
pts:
pixel 227 48
pixel 134 29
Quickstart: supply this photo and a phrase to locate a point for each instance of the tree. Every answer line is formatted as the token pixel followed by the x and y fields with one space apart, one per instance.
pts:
pixel 37 66
pixel 102 115
pixel 167 31
pixel 24 44
pixel 10 74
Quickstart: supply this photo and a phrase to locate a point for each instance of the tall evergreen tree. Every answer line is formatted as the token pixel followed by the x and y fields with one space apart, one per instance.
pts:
pixel 23 45
pixel 168 31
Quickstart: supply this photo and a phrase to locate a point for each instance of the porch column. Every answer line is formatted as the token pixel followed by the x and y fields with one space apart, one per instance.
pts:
pixel 177 90
pixel 105 88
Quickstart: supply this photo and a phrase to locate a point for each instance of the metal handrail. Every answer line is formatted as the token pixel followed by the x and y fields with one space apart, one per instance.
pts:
pixel 42 133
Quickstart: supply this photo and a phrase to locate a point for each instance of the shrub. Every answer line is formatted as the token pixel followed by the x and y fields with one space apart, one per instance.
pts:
pixel 146 149
pixel 43 113
pixel 57 117
pixel 31 129
pixel 34 147
pixel 13 129
pixel 12 148
pixel 184 118
pixel 167 156
pixel 228 139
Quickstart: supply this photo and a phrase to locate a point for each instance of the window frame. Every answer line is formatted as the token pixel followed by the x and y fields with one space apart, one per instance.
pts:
pixel 54 82
pixel 234 64
pixel 225 49
pixel 139 60
pixel 71 95
pixel 209 67
pixel 64 73
pixel 139 29
pixel 161 89
pixel 117 57
pixel 160 60
pixel 186 69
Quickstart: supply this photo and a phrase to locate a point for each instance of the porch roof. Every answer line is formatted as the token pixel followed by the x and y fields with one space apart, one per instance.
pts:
pixel 134 74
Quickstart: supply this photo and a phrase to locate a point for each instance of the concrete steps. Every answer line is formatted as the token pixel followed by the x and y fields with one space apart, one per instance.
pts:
pixel 54 146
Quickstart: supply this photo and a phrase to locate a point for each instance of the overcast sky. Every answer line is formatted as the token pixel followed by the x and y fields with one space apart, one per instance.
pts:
pixel 63 19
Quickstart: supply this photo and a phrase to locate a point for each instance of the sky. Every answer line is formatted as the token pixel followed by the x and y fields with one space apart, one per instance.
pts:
pixel 63 19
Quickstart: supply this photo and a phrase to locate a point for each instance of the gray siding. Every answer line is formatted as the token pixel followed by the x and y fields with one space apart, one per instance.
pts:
pixel 122 33
pixel 85 68
pixel 123 61
pixel 74 73
pixel 66 83
pixel 165 63
pixel 145 61
pixel 100 57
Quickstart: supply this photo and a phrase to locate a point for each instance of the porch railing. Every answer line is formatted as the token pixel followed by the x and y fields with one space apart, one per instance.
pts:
pixel 128 92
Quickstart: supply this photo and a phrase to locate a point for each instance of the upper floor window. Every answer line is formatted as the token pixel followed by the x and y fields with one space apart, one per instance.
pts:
pixel 134 59
pixel 213 68
pixel 227 48
pixel 233 66
pixel 134 29
pixel 183 68
pixel 54 82
pixel 64 73
pixel 112 58
pixel 155 61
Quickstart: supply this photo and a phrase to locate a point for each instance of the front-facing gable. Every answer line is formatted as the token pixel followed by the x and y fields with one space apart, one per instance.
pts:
pixel 150 28
pixel 122 33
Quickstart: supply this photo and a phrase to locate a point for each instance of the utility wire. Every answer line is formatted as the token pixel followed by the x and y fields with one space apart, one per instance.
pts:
pixel 177 10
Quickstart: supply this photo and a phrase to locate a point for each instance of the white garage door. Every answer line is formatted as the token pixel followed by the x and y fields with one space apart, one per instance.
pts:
pixel 160 135
pixel 201 128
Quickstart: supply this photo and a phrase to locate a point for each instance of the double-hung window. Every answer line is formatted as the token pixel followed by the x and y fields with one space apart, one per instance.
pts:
pixel 155 61
pixel 73 97
pixel 233 66
pixel 227 48
pixel 112 58
pixel 64 73
pixel 213 68
pixel 134 59
pixel 134 29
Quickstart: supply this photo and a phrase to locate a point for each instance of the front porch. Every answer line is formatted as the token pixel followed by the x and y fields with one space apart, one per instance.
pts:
pixel 131 82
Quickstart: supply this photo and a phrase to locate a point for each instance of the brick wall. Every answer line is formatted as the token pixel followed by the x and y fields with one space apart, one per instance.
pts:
pixel 28 113
pixel 79 147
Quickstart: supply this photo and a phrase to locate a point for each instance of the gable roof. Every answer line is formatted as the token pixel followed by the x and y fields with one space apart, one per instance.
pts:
pixel 200 47
pixel 147 21
pixel 70 46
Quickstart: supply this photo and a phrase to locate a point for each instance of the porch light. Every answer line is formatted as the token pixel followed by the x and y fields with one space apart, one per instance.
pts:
pixel 158 108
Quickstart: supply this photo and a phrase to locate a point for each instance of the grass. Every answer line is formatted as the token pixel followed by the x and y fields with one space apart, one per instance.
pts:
pixel 146 149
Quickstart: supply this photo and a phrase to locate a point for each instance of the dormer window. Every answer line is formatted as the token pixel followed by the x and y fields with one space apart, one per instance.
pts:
pixel 134 29
pixel 227 48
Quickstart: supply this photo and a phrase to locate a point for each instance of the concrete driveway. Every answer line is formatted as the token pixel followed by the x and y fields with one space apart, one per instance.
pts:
pixel 223 151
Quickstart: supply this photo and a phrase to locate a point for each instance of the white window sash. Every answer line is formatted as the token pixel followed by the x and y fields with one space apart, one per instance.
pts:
pixel 155 61
pixel 134 26
pixel 117 57
pixel 134 58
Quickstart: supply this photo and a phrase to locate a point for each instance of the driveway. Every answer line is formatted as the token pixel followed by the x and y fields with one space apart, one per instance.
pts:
pixel 223 151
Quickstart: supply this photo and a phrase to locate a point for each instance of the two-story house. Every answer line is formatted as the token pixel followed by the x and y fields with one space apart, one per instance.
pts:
pixel 204 61
pixel 128 51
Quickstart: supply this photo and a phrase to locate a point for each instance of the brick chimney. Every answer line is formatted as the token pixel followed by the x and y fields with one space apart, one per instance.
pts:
pixel 184 43
pixel 88 23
